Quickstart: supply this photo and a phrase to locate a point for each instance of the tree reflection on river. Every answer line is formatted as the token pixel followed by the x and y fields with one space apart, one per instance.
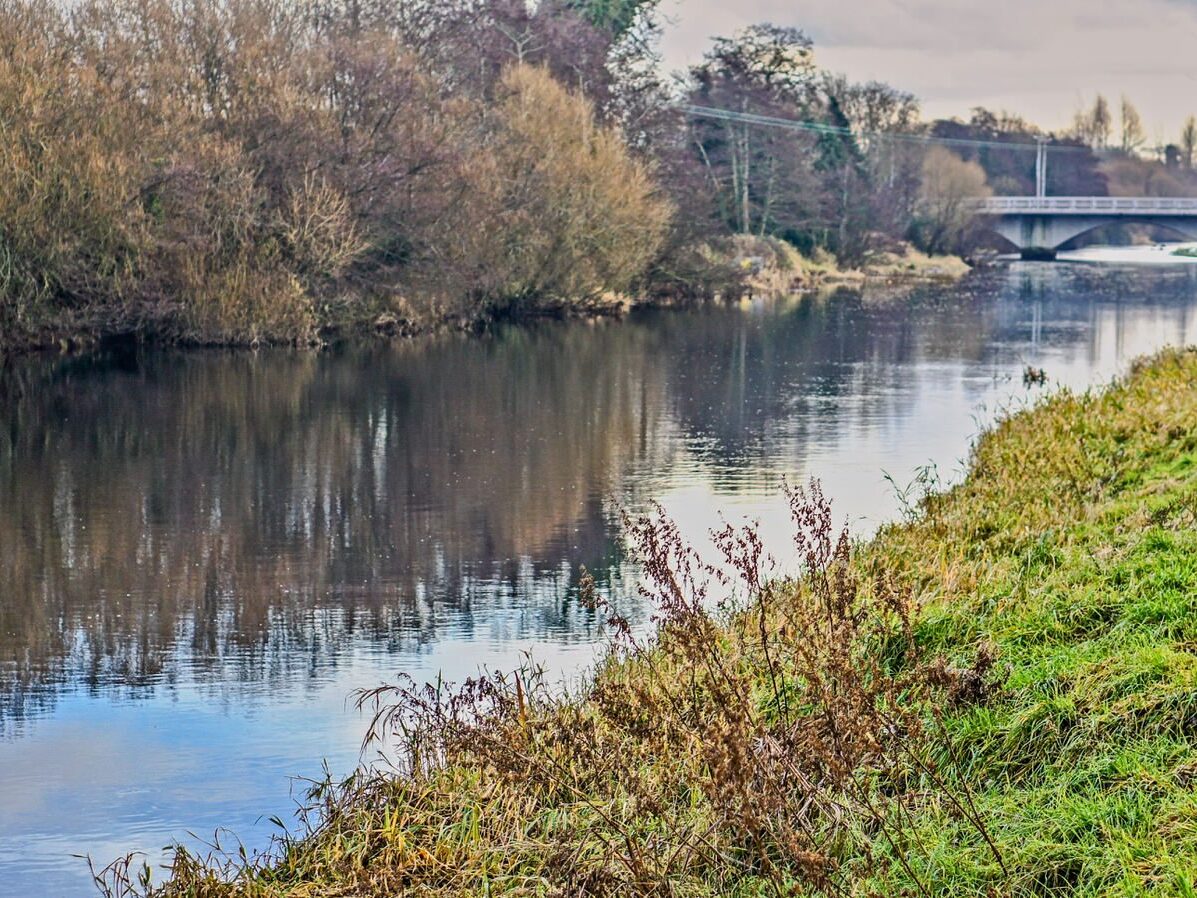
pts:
pixel 182 529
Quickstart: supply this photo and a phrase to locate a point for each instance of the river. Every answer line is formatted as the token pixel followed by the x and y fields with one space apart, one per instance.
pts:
pixel 203 554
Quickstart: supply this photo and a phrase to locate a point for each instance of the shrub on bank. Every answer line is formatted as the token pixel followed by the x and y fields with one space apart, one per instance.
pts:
pixel 71 229
pixel 579 217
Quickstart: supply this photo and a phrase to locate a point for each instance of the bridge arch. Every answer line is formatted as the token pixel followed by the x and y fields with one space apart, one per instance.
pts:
pixel 1053 235
pixel 1040 226
pixel 1186 229
pixel 1007 243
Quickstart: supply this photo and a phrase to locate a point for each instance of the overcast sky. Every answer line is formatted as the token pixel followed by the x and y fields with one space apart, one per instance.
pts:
pixel 1039 58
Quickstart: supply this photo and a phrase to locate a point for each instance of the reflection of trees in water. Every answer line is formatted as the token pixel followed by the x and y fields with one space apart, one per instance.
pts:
pixel 227 515
pixel 248 518
pixel 742 383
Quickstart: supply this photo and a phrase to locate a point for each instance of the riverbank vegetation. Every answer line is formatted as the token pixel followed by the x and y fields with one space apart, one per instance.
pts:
pixel 256 170
pixel 993 697
pixel 240 171
pixel 244 171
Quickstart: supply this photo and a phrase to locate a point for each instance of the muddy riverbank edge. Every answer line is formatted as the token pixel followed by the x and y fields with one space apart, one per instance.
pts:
pixel 745 267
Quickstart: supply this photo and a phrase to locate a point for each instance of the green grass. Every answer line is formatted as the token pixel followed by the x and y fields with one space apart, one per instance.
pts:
pixel 1073 549
pixel 1069 553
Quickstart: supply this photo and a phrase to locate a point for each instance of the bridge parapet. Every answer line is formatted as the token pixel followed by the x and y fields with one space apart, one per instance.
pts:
pixel 1087 205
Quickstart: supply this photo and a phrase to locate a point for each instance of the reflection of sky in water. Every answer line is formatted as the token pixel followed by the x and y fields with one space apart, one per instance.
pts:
pixel 205 565
pixel 105 775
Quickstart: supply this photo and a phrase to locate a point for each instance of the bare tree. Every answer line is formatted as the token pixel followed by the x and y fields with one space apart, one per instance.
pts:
pixel 1093 126
pixel 1132 128
pixel 1188 141
pixel 950 184
pixel 757 172
pixel 877 112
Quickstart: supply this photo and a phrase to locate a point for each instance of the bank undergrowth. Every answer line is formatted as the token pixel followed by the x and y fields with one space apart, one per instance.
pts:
pixel 998 696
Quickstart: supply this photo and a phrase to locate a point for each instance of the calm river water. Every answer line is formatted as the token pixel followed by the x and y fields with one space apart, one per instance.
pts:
pixel 203 554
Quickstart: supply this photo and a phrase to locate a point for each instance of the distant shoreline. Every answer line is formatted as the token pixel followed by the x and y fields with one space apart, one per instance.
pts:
pixel 785 271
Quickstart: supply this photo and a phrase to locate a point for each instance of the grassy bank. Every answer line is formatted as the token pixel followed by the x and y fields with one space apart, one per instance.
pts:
pixel 997 697
pixel 1071 550
pixel 767 265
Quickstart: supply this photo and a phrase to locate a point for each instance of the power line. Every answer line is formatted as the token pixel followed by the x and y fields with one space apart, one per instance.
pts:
pixel 768 121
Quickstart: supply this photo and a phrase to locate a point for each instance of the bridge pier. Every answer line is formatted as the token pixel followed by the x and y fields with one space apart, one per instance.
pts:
pixel 1038 237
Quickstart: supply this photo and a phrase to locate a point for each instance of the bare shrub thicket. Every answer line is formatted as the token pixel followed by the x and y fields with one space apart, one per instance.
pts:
pixel 233 170
pixel 576 210
pixel 779 741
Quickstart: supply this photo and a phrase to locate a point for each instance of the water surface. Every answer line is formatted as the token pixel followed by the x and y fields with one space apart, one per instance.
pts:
pixel 203 554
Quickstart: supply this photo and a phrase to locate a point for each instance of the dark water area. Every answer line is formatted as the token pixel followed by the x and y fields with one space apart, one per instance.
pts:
pixel 203 554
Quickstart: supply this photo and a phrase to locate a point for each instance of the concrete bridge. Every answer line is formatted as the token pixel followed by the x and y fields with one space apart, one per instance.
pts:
pixel 1039 225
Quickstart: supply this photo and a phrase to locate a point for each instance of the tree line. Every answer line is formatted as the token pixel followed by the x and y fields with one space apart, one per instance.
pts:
pixel 244 170
pixel 1096 127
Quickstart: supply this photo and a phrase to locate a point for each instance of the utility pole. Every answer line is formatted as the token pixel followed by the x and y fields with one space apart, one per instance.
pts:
pixel 1040 167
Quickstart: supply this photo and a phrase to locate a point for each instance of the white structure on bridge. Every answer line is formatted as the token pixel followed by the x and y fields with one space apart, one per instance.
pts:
pixel 1040 225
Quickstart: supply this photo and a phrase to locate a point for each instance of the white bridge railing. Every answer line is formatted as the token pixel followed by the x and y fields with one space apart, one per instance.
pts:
pixel 1087 205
